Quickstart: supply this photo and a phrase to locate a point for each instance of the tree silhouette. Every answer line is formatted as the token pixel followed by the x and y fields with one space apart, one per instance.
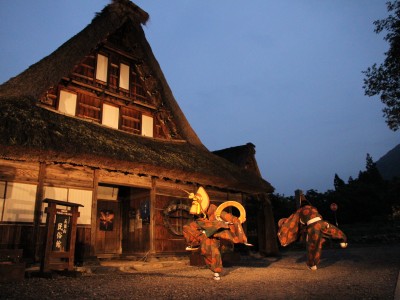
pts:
pixel 364 199
pixel 384 80
pixel 338 182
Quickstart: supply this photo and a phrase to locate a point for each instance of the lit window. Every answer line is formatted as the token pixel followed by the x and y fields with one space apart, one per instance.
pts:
pixel 101 69
pixel 55 193
pixel 19 203
pixel 83 197
pixel 67 103
pixel 124 77
pixel 147 126
pixel 110 116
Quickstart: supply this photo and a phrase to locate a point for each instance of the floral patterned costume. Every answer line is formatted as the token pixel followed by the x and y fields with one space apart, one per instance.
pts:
pixel 307 219
pixel 207 232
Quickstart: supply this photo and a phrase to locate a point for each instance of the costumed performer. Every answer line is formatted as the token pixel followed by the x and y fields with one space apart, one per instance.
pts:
pixel 206 231
pixel 306 220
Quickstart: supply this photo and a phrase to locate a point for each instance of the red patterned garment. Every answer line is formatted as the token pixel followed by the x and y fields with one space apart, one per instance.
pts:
pixel 207 233
pixel 288 231
pixel 307 219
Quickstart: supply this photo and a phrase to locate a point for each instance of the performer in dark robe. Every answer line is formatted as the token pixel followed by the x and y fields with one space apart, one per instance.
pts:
pixel 306 220
pixel 207 231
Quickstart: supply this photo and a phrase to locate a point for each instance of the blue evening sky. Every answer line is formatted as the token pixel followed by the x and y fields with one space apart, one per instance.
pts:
pixel 283 75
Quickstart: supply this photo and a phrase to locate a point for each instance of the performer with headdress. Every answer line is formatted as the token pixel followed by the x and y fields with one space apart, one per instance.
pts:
pixel 212 224
pixel 307 220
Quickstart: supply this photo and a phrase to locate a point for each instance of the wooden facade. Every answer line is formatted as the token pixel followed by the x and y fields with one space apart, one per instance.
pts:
pixel 102 129
pixel 148 213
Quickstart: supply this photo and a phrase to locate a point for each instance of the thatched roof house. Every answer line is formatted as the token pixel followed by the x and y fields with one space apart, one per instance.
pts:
pixel 31 132
pixel 98 111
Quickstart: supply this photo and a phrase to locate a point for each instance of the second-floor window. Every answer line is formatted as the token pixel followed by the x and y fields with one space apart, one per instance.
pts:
pixel 67 102
pixel 110 116
pixel 117 74
pixel 101 67
pixel 124 76
pixel 147 126
pixel 107 88
pixel 89 106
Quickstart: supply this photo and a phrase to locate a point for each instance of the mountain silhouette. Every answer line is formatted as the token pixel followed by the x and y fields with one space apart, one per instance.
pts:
pixel 389 164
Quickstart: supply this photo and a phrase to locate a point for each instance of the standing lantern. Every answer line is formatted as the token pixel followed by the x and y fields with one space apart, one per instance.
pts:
pixel 334 208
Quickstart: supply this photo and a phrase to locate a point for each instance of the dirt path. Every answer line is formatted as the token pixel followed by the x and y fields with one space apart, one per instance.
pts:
pixel 368 272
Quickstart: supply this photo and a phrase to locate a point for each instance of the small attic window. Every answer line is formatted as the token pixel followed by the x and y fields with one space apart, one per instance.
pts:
pixel 67 102
pixel 110 116
pixel 101 68
pixel 147 126
pixel 124 76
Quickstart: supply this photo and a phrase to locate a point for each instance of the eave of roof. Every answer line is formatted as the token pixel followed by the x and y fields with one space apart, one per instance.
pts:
pixel 29 132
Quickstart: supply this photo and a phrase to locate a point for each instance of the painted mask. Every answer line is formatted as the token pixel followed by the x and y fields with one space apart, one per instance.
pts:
pixel 200 203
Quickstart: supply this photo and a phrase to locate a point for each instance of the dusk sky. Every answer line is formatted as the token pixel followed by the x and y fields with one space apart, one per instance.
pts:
pixel 283 75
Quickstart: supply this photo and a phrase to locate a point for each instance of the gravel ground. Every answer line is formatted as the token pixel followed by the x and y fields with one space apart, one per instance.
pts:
pixel 358 272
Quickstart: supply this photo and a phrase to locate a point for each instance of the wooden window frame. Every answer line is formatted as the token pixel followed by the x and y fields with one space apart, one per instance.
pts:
pixel 89 106
pixel 131 120
pixel 28 202
pixel 68 194
pixel 137 90
pixel 146 131
pixel 61 101
pixel 102 68
pixel 104 116
pixel 124 71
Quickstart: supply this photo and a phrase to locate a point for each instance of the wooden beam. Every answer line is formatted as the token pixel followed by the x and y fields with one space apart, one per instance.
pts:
pixel 94 213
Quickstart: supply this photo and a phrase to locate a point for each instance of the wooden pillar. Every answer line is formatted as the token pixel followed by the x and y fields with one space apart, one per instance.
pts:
pixel 51 216
pixel 271 246
pixel 74 223
pixel 38 213
pixel 152 214
pixel 94 213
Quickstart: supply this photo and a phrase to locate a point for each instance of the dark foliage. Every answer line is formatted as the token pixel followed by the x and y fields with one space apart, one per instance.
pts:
pixel 384 80
pixel 364 199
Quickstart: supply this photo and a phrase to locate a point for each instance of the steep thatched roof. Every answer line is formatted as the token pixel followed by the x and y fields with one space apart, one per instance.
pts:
pixel 239 155
pixel 243 156
pixel 48 72
pixel 29 132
